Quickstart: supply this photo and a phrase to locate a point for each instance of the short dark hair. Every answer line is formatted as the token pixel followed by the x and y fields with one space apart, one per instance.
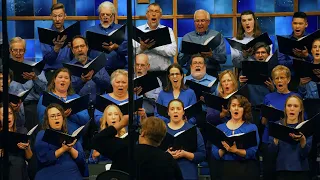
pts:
pixel 260 45
pixel 58 6
pixel 196 56
pixel 81 37
pixel 300 15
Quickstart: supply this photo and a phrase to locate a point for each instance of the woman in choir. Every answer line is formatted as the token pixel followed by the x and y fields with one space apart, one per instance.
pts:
pixel 60 87
pixel 237 163
pixel 119 82
pixel 228 85
pixel 176 89
pixel 281 77
pixel 292 159
pixel 111 116
pixel 248 29
pixel 17 160
pixel 188 161
pixel 309 88
pixel 62 162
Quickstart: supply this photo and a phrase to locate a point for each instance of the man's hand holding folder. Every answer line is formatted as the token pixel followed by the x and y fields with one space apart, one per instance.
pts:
pixel 147 44
pixel 59 42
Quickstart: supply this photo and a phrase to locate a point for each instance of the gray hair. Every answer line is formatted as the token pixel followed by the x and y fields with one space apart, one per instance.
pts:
pixel 107 4
pixel 118 72
pixel 155 4
pixel 17 40
pixel 204 11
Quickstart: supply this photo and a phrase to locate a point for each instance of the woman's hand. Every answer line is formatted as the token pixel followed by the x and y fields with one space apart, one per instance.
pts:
pixel 95 154
pixel 24 146
pixel 301 138
pixel 224 112
pixel 232 149
pixel 275 141
pixel 68 147
pixel 67 112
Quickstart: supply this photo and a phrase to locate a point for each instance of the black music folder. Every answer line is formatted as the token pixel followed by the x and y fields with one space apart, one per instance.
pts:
pixel 148 82
pixel 95 40
pixel 199 88
pixel 239 46
pixel 189 111
pixel 96 65
pixel 271 113
pixel 243 140
pixel 258 72
pixel 15 138
pixel 76 104
pixel 56 138
pixel 216 102
pixel 279 131
pixel 26 66
pixel 286 45
pixel 161 36
pixel 102 103
pixel 311 106
pixel 46 35
pixel 16 98
pixel 194 48
pixel 184 140
pixel 306 69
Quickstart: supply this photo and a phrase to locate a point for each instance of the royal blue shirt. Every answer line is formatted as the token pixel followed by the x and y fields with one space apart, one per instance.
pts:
pixel 187 96
pixel 244 128
pixel 189 168
pixel 291 157
pixel 64 167
pixel 117 58
pixel 96 86
pixel 54 59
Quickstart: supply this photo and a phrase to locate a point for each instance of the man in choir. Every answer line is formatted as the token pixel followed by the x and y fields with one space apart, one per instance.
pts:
pixel 17 48
pixel 55 55
pixel 141 68
pixel 198 68
pixel 299 24
pixel 116 58
pixel 214 57
pixel 151 162
pixel 91 83
pixel 159 57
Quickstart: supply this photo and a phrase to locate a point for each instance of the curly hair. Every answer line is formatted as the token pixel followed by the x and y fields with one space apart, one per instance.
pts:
pixel 103 119
pixel 245 104
pixel 46 125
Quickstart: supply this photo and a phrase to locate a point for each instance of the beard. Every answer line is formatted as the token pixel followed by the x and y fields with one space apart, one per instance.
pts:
pixel 198 74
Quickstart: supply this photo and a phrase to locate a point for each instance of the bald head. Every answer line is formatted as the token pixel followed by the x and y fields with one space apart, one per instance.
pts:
pixel 142 64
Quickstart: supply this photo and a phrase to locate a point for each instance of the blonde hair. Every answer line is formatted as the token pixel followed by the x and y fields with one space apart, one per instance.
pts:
pixel 233 79
pixel 118 72
pixel 280 68
pixel 103 119
pixel 17 40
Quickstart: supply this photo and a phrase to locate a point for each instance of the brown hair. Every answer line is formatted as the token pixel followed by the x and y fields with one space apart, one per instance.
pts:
pixel 154 130
pixel 46 125
pixel 51 86
pixel 58 6
pixel 103 119
pixel 300 116
pixel 233 78
pixel 245 104
pixel 14 128
pixel 169 85
pixel 256 29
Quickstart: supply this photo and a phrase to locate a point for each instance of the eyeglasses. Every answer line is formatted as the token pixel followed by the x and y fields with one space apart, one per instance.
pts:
pixel 174 74
pixel 59 16
pixel 80 46
pixel 55 116
pixel 16 51
pixel 105 14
